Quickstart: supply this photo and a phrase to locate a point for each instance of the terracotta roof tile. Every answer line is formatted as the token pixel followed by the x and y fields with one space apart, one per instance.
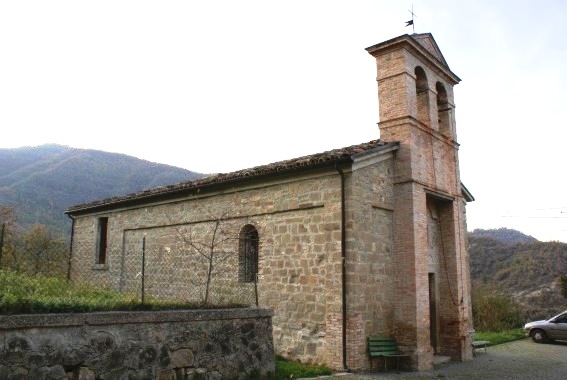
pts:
pixel 314 160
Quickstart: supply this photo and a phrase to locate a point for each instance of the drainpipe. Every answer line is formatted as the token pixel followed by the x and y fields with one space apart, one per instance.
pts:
pixel 343 259
pixel 70 247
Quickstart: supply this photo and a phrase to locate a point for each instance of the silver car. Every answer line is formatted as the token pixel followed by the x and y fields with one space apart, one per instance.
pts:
pixel 554 328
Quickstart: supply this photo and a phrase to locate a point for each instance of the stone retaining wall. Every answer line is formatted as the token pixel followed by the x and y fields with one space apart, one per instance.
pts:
pixel 188 344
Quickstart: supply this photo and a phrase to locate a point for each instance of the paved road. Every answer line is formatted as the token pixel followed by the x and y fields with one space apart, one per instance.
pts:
pixel 522 359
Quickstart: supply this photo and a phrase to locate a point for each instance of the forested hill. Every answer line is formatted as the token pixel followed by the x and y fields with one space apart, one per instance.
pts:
pixel 40 183
pixel 521 266
pixel 505 235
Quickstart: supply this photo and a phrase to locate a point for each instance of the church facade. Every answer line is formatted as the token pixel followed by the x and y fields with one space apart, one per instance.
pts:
pixel 358 241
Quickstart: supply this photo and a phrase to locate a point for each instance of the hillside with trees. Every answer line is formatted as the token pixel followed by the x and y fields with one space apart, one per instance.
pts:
pixel 517 265
pixel 504 235
pixel 40 183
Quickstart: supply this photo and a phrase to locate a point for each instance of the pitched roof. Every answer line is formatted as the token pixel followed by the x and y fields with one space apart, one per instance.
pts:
pixel 428 42
pixel 423 45
pixel 318 160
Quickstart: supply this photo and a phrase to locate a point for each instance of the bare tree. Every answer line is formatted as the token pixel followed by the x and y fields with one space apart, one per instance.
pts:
pixel 34 251
pixel 7 222
pixel 43 253
pixel 216 243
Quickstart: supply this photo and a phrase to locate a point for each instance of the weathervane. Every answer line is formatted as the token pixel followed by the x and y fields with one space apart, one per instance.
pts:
pixel 410 22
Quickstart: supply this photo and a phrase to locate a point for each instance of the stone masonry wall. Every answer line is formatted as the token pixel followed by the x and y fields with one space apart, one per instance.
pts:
pixel 191 344
pixel 370 290
pixel 298 222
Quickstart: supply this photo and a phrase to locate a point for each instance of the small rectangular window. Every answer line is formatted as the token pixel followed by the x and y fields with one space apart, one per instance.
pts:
pixel 102 241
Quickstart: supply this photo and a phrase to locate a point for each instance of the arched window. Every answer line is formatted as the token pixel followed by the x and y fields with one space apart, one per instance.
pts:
pixel 443 110
pixel 422 93
pixel 248 254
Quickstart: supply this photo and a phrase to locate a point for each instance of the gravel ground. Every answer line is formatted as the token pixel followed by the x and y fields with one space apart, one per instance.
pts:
pixel 522 359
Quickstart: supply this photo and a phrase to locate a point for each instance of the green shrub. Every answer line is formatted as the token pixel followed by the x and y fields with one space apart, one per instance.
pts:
pixel 499 337
pixel 24 294
pixel 292 370
pixel 563 285
pixel 493 311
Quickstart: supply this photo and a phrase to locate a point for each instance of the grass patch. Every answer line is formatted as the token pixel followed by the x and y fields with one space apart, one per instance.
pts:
pixel 499 337
pixel 286 369
pixel 24 294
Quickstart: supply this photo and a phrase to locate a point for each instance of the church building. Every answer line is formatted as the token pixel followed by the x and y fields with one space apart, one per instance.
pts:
pixel 359 241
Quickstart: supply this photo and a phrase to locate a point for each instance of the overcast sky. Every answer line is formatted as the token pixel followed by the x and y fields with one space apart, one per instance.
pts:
pixel 217 86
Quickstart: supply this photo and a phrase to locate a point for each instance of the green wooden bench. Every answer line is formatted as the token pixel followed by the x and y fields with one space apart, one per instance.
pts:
pixel 478 344
pixel 386 347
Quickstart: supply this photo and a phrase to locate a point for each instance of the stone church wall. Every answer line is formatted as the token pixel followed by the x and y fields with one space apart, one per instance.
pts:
pixel 370 292
pixel 299 227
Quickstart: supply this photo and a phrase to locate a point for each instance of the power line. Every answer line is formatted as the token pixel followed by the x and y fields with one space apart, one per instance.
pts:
pixel 531 217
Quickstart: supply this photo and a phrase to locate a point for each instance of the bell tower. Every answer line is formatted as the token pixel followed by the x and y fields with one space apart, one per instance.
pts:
pixel 432 313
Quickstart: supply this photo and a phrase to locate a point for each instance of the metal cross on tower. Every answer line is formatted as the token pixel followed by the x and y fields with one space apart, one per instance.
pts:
pixel 411 22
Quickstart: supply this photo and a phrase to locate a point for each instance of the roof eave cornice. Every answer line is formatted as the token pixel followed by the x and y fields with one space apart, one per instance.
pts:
pixel 406 41
pixel 467 194
pixel 131 201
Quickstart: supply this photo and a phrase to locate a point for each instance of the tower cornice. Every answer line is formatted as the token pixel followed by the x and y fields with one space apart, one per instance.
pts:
pixel 413 44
